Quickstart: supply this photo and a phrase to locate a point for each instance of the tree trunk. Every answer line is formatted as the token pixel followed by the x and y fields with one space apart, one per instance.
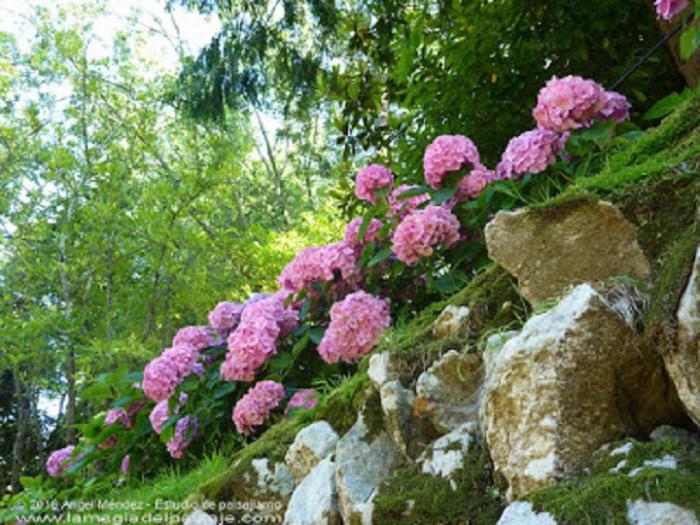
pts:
pixel 690 69
pixel 22 400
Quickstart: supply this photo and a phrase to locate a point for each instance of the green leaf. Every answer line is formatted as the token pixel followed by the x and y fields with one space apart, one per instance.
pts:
pixel 443 195
pixel 690 40
pixel 665 106
pixel 30 483
pixel 300 345
pixel 96 391
pixel 366 218
pixel 413 192
pixel 382 254
pixel 366 253
pixel 317 334
pixel 224 389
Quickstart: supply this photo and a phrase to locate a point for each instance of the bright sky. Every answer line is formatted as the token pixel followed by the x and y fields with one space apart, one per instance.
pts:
pixel 195 29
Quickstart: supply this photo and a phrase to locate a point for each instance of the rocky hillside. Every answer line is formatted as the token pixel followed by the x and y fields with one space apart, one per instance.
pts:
pixel 562 385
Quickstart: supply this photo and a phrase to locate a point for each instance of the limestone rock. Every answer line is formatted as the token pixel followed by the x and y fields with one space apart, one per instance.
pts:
pixel 452 322
pixel 571 381
pixel 199 517
pixel 448 392
pixel 446 454
pixel 364 457
pixel 683 364
pixel 680 434
pixel 311 445
pixel 397 405
pixel 522 513
pixel 494 344
pixel 315 500
pixel 383 367
pixel 642 512
pixel 276 478
pixel 549 250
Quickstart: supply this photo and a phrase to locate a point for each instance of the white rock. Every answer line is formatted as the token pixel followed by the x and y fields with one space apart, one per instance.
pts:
pixel 623 449
pixel 680 434
pixel 362 462
pixel 383 367
pixel 569 382
pixel 310 446
pixel 449 392
pixel 642 512
pixel 446 454
pixel 452 322
pixel 397 405
pixel 276 479
pixel 199 517
pixel 314 501
pixel 494 344
pixel 668 461
pixel 522 513
pixel 683 364
pixel 618 468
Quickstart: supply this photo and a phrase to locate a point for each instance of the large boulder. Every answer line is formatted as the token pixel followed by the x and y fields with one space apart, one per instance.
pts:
pixel 642 512
pixel 409 433
pixel 315 501
pixel 448 392
pixel 311 445
pixel 364 457
pixel 549 250
pixel 572 380
pixel 683 362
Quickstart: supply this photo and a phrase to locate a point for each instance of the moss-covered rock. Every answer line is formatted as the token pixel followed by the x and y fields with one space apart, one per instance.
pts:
pixel 601 495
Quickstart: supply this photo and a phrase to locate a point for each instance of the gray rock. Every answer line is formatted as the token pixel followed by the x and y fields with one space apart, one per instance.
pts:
pixel 364 457
pixel 315 500
pixel 549 250
pixel 448 392
pixel 397 405
pixel 494 344
pixel 311 445
pixel 522 513
pixel 452 322
pixel 683 364
pixel 276 478
pixel 571 381
pixel 642 512
pixel 680 434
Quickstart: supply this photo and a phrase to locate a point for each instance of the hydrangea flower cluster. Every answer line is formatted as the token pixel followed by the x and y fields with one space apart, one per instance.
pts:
pixel 162 375
pixel 117 414
pixel 124 465
pixel 471 185
pixel 402 207
pixel 568 103
pixel 530 152
pixel 422 231
pixel 356 324
pixel 197 336
pixel 160 413
pixel 186 430
pixel 224 318
pixel 448 154
pixel 253 409
pixel 334 262
pixel 59 461
pixel 614 105
pixel 371 233
pixel 371 178
pixel 306 399
pixel 667 9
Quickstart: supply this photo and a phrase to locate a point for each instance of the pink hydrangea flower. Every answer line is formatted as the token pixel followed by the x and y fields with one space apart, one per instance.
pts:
pixel 471 186
pixel 197 336
pixel 568 103
pixel 186 429
pixel 333 262
pixel 667 9
pixel 371 233
pixel 124 466
pixel 117 414
pixel 448 154
pixel 288 316
pixel 371 178
pixel 253 409
pixel 356 324
pixel 59 461
pixel 402 207
pixel 422 231
pixel 160 413
pixel 224 318
pixel 255 339
pixel 184 358
pixel 530 152
pixel 305 399
pixel 614 106
pixel 160 379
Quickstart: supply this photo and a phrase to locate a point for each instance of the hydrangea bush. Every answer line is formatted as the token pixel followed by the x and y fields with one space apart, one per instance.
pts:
pixel 255 361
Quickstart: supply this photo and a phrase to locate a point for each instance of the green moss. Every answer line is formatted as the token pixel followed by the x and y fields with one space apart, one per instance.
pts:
pixel 434 501
pixel 341 406
pixel 373 416
pixel 602 495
